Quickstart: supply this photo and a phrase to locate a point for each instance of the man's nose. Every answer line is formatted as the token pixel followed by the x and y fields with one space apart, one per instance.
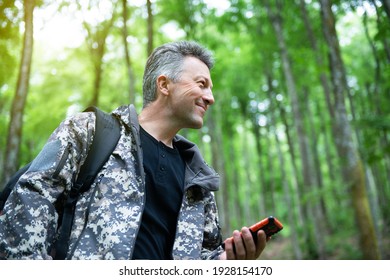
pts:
pixel 208 97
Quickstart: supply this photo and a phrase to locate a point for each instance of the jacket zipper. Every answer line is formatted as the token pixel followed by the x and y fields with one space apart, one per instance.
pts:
pixel 62 161
pixel 135 133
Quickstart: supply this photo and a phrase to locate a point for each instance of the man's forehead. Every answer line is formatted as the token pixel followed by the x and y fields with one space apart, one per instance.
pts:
pixel 195 66
pixel 194 60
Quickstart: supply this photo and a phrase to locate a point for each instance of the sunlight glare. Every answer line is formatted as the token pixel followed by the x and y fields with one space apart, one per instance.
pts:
pixel 57 31
pixel 220 6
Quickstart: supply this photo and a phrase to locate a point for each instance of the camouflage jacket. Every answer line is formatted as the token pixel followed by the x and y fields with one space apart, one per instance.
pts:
pixel 108 215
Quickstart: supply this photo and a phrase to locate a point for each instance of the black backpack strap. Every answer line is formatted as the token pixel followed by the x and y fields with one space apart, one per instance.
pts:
pixel 107 133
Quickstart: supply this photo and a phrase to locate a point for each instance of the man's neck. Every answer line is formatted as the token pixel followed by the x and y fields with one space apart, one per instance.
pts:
pixel 155 122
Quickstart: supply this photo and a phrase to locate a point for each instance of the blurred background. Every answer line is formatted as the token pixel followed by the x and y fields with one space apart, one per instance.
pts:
pixel 300 127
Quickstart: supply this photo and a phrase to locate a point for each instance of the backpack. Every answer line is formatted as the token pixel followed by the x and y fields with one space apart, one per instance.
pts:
pixel 107 133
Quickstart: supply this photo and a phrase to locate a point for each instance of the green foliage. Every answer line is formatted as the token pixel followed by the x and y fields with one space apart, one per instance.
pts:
pixel 10 18
pixel 250 92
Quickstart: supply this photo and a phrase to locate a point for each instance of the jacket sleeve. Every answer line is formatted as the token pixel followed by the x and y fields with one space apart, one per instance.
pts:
pixel 28 224
pixel 212 240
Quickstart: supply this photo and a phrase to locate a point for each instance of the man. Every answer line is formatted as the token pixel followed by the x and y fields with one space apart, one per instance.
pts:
pixel 153 199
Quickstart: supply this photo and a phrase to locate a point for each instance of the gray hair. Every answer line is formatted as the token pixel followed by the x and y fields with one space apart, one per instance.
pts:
pixel 168 60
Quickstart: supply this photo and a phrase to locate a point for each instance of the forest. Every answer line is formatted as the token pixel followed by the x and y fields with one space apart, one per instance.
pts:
pixel 301 124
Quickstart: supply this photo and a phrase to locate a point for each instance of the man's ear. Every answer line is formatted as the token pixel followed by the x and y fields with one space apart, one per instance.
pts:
pixel 162 84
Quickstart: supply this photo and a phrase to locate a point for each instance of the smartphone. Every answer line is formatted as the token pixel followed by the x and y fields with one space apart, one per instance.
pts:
pixel 270 225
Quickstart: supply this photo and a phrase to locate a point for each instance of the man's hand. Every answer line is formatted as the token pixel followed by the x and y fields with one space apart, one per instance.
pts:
pixel 245 247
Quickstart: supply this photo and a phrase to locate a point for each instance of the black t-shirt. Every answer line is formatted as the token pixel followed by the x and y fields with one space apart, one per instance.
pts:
pixel 164 179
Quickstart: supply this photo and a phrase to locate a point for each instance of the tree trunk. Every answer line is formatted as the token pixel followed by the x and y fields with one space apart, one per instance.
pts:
pixel 218 162
pixel 352 169
pixel 248 185
pixel 234 202
pixel 316 158
pixel 317 53
pixel 379 21
pixel 96 40
pixel 325 86
pixel 296 189
pixel 376 93
pixel 309 180
pixel 97 80
pixel 150 27
pixel 259 149
pixel 287 199
pixel 386 7
pixel 270 181
pixel 292 216
pixel 14 138
pixel 129 66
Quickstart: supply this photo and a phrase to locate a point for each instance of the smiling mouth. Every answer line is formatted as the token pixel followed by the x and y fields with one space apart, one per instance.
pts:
pixel 203 106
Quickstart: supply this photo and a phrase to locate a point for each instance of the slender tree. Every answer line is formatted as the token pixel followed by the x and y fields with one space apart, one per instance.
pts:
pixel 352 169
pixel 287 194
pixel 309 179
pixel 96 40
pixel 11 158
pixel 150 27
pixel 219 164
pixel 386 6
pixel 128 61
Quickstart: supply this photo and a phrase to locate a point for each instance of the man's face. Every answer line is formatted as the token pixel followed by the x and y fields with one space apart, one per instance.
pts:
pixel 191 95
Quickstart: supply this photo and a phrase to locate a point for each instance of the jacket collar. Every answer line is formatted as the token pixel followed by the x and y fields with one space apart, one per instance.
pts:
pixel 198 172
